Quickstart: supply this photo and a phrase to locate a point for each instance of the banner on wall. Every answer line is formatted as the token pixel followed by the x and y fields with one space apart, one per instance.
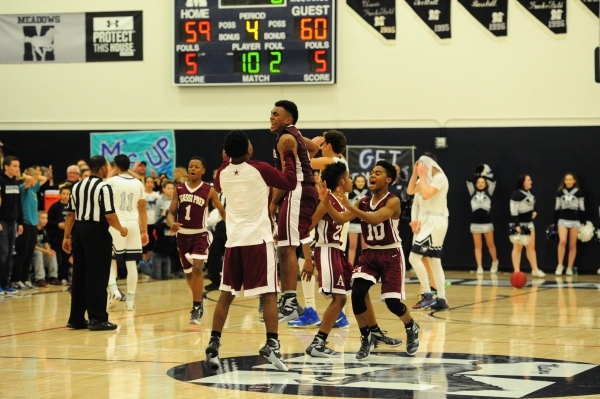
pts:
pixel 156 148
pixel 435 13
pixel 593 6
pixel 380 15
pixel 492 14
pixel 362 158
pixel 114 36
pixel 72 37
pixel 551 13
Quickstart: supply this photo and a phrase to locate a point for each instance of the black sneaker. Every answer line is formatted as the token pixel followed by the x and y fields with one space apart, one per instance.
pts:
pixel 212 353
pixel 318 349
pixel 212 287
pixel 271 352
pixel 412 339
pixel 289 309
pixel 95 325
pixel 196 314
pixel 366 345
pixel 441 304
pixel 381 337
pixel 78 326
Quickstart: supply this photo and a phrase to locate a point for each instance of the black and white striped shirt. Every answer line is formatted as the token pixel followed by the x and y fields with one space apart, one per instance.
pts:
pixel 91 199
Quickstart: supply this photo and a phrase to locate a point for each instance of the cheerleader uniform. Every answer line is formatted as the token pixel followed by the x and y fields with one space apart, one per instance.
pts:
pixel 481 204
pixel 569 210
pixel 522 206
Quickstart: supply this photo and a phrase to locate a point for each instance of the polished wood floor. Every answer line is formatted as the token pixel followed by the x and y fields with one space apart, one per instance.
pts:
pixel 539 341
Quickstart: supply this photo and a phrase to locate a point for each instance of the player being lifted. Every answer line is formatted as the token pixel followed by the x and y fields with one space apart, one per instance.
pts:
pixel 249 259
pixel 297 206
pixel 187 217
pixel 383 258
pixel 131 210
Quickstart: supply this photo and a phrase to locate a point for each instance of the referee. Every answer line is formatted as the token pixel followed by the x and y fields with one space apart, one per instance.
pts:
pixel 91 209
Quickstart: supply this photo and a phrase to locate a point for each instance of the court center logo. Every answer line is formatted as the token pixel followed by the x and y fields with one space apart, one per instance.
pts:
pixel 391 374
pixel 39 43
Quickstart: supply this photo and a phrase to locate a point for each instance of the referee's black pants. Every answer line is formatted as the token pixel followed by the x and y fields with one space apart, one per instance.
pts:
pixel 92 253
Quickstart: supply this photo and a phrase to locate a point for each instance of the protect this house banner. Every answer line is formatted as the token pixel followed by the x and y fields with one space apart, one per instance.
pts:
pixel 593 6
pixel 492 14
pixel 62 38
pixel 551 13
pixel 380 14
pixel 435 13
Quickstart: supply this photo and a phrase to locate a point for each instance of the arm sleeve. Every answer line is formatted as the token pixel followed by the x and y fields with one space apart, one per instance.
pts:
pixel 514 208
pixel 274 178
pixel 107 199
pixel 491 185
pixel 470 187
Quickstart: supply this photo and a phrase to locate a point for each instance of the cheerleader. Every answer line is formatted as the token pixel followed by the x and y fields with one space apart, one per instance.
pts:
pixel 481 190
pixel 359 191
pixel 569 217
pixel 522 212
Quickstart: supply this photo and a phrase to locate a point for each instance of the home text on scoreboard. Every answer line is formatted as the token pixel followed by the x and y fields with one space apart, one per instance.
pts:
pixel 241 42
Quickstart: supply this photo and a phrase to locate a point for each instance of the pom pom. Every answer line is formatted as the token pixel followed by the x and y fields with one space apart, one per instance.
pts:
pixel 586 232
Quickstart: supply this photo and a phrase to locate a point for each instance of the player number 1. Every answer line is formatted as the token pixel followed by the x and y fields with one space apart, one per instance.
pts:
pixel 187 212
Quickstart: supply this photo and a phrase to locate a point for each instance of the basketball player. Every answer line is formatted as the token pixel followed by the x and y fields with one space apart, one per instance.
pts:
pixel 187 217
pixel 432 184
pixel 296 206
pixel 131 209
pixel 379 214
pixel 249 259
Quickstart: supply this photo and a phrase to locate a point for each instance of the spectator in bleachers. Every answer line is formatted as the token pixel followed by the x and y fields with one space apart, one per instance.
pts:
pixel 55 228
pixel 73 175
pixel 25 243
pixel 44 257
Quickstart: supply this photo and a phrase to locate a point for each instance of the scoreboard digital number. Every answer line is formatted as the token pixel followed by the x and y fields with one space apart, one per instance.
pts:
pixel 244 42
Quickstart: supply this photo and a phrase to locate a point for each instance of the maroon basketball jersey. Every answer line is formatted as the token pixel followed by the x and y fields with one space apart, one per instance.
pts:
pixel 328 231
pixel 193 208
pixel 385 233
pixel 303 170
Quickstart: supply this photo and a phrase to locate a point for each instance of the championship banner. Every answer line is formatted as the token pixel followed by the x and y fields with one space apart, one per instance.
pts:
pixel 114 36
pixel 551 13
pixel 72 37
pixel 492 14
pixel 381 15
pixel 593 6
pixel 435 13
pixel 362 158
pixel 157 149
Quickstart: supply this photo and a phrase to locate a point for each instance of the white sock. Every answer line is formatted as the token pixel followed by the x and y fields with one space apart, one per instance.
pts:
pixel 416 261
pixel 308 288
pixel 132 276
pixel 112 277
pixel 438 276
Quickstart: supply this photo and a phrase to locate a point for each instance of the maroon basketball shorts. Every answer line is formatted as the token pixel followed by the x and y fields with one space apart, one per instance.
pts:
pixel 295 216
pixel 387 264
pixel 193 246
pixel 252 266
pixel 335 273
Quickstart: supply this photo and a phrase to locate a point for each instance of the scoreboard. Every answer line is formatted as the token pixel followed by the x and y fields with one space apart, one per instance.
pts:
pixel 250 42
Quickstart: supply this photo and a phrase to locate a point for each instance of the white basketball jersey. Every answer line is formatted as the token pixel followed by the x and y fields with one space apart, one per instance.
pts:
pixel 127 191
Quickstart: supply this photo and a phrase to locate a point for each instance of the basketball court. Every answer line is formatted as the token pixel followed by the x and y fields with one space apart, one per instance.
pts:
pixel 496 341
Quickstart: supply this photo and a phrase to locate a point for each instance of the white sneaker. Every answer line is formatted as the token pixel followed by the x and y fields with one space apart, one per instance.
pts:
pixel 480 270
pixel 130 304
pixel 28 285
pixel 569 272
pixel 538 273
pixel 114 296
pixel 559 270
pixel 494 268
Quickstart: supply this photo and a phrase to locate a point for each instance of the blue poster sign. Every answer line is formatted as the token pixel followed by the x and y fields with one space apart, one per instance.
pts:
pixel 156 148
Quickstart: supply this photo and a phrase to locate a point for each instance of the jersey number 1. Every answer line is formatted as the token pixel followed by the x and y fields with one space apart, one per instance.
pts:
pixel 187 212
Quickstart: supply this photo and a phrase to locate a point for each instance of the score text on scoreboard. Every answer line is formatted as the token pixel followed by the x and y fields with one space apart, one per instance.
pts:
pixel 240 42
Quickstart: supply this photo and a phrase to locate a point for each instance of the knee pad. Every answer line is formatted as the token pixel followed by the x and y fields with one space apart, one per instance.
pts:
pixel 395 306
pixel 360 288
